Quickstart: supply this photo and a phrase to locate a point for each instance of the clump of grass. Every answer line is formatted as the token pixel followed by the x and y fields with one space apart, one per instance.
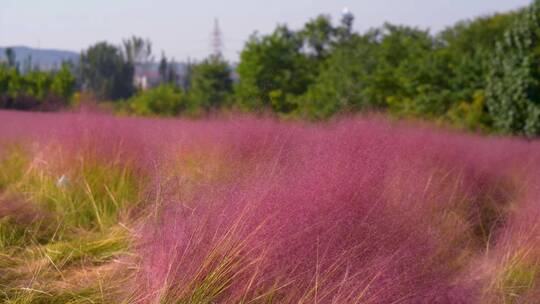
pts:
pixel 55 237
pixel 513 276
pixel 22 224
pixel 94 197
pixel 68 270
pixel 13 235
pixel 13 162
pixel 90 248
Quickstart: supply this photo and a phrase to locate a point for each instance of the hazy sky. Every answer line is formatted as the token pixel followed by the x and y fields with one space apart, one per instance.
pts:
pixel 182 28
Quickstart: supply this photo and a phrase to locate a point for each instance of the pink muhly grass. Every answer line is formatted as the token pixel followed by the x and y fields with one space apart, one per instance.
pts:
pixel 330 216
pixel 361 210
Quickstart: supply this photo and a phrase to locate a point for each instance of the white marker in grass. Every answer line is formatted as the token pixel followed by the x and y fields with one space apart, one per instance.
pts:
pixel 62 182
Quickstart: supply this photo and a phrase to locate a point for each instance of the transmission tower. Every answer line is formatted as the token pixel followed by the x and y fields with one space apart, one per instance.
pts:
pixel 347 19
pixel 217 41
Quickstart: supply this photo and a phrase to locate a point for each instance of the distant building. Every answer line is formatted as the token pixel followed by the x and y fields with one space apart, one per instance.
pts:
pixel 140 82
pixel 146 76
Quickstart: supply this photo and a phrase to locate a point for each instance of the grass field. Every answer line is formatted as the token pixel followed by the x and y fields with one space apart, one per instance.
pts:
pixel 100 209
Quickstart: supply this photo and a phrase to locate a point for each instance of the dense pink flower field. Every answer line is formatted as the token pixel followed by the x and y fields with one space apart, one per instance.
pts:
pixel 359 210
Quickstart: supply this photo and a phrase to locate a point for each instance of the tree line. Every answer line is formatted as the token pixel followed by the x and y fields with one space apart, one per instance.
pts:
pixel 481 74
pixel 34 89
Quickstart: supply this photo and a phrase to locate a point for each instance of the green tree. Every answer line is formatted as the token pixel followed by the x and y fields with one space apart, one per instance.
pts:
pixel 341 82
pixel 345 29
pixel 63 83
pixel 166 70
pixel 106 72
pixel 467 48
pixel 513 89
pixel 211 84
pixel 400 58
pixel 185 79
pixel 137 50
pixel 172 75
pixel 273 71
pixel 385 67
pixel 163 68
pixel 320 36
pixel 37 84
pixel 11 57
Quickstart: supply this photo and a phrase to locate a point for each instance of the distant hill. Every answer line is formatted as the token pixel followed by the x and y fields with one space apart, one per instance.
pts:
pixel 45 59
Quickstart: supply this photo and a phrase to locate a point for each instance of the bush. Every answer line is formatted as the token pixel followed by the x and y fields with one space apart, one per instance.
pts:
pixel 35 90
pixel 165 100
pixel 471 116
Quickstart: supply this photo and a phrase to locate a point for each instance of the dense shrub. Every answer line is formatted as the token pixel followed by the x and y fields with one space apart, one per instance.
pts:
pixel 35 90
pixel 162 100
